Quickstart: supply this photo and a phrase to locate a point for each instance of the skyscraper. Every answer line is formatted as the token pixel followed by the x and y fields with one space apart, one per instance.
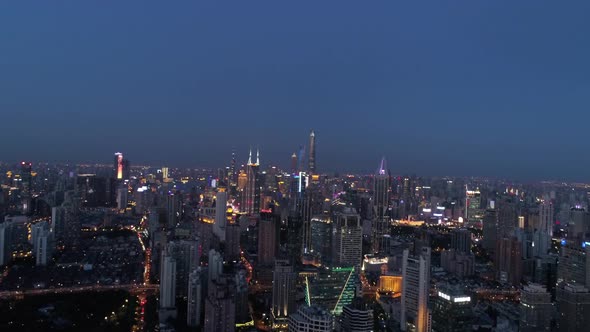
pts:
pixel 508 260
pixel 461 240
pixel 268 233
pixel 452 310
pixel 283 294
pixel 186 255
pixel 167 287
pixel 415 291
pixel 173 208
pixel 27 178
pixel 220 215
pixel 347 238
pixel 573 303
pixel 197 280
pixel 380 206
pixel 536 309
pixel 251 193
pixel 220 307
pixel 118 166
pixel 312 160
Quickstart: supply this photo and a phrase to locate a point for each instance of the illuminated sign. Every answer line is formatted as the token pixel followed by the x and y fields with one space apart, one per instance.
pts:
pixel 444 296
pixel 462 299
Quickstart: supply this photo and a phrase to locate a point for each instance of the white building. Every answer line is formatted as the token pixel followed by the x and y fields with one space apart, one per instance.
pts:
pixel 311 319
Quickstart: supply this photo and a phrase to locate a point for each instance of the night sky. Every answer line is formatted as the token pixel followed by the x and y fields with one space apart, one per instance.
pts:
pixel 492 88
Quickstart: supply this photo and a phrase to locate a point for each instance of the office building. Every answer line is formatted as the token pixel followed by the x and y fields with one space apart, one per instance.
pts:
pixel 251 193
pixel 536 309
pixel 573 303
pixel 167 287
pixel 461 240
pixel 452 310
pixel 312 161
pixel 321 237
pixel 357 316
pixel 122 198
pixel 241 298
pixel 268 236
pixel 508 260
pixel 311 319
pixel 283 294
pixel 347 238
pixel 195 304
pixel 380 206
pixel 415 290
pixel 458 263
pixel 186 255
pixel 215 265
pixel 173 208
pixel 220 215
pixel 220 306
pixel 331 288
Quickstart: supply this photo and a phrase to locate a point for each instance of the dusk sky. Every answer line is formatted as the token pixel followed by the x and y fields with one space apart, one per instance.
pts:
pixel 491 88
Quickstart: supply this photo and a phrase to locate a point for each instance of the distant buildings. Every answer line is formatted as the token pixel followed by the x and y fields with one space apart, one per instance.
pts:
pixel 251 193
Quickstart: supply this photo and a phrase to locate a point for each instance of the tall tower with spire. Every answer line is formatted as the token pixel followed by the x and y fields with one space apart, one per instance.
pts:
pixel 380 206
pixel 251 194
pixel 312 164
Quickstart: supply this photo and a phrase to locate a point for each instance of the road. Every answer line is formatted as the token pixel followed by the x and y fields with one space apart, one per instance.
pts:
pixel 132 288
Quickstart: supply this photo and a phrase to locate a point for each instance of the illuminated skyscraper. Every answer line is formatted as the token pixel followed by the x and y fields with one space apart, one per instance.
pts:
pixel 251 193
pixel 415 291
pixel 380 206
pixel 294 169
pixel 452 310
pixel 118 166
pixel 312 160
pixel 357 316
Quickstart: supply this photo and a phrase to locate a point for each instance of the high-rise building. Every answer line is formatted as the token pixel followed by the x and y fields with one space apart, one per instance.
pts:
pixel 574 263
pixel 578 224
pixel 507 216
pixel 357 316
pixel 215 265
pixel 347 238
pixel 197 281
pixel 311 319
pixel 461 240
pixel 231 249
pixel 118 166
pixel 186 255
pixel 5 243
pixel 283 294
pixel 241 298
pixel 508 260
pixel 490 230
pixel 220 215
pixel 321 237
pixel 312 160
pixel 122 198
pixel 294 169
pixel 27 178
pixel 251 193
pixel 65 220
pixel 380 206
pixel 545 232
pixel 220 306
pixel 536 309
pixel 452 311
pixel 173 208
pixel 332 288
pixel 473 205
pixel 167 287
pixel 268 233
pixel 415 291
pixel 573 303
pixel 43 248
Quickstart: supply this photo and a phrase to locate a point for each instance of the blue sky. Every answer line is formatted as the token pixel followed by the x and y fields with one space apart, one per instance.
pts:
pixel 497 88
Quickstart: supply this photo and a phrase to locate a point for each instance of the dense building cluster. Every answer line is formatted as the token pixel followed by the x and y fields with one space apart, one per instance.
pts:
pixel 254 246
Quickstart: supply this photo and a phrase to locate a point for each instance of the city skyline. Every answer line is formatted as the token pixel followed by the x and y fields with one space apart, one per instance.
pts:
pixel 430 88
